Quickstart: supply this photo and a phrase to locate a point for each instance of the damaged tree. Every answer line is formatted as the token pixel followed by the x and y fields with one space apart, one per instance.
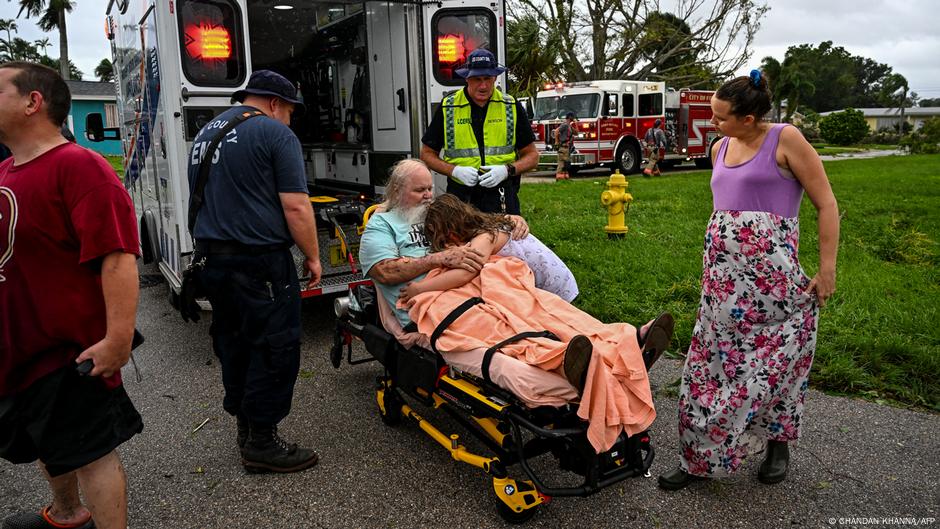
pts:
pixel 696 43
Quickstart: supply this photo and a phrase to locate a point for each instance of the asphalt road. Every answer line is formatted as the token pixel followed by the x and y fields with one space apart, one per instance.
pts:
pixel 858 464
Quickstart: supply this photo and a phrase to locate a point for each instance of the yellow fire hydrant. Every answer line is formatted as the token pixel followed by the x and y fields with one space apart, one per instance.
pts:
pixel 617 201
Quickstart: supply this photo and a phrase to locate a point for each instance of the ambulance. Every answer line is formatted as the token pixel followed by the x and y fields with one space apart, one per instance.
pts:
pixel 371 75
pixel 612 117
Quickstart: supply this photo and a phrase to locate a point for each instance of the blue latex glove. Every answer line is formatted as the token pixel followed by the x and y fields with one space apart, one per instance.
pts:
pixel 467 176
pixel 494 175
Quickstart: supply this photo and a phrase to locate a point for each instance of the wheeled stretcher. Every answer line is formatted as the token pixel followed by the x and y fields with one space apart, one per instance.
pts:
pixel 514 433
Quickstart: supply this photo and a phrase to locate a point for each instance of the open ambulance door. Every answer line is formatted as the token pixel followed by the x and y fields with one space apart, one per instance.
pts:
pixel 453 29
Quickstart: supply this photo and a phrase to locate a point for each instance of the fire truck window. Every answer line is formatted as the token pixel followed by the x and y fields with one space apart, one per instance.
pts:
pixel 457 32
pixel 584 106
pixel 211 42
pixel 628 106
pixel 612 105
pixel 651 104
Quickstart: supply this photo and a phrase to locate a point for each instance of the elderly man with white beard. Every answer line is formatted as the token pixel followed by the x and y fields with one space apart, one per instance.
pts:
pixel 393 249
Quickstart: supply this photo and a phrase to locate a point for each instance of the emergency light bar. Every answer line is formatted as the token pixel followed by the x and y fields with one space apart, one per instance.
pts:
pixel 450 48
pixel 208 42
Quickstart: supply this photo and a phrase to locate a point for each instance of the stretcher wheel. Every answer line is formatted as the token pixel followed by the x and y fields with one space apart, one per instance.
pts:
pixel 391 415
pixel 513 517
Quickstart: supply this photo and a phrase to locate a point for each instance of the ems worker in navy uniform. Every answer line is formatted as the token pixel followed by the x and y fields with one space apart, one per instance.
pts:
pixel 256 207
pixel 481 139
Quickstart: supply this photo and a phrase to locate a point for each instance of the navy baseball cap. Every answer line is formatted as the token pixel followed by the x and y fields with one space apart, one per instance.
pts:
pixel 480 63
pixel 268 83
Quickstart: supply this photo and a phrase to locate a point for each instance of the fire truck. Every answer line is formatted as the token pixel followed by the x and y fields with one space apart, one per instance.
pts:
pixel 371 75
pixel 612 118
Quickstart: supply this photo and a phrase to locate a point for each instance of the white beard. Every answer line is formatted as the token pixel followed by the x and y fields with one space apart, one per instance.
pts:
pixel 414 215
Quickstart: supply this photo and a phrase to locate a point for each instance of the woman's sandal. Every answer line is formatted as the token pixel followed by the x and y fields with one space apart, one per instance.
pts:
pixel 657 338
pixel 42 520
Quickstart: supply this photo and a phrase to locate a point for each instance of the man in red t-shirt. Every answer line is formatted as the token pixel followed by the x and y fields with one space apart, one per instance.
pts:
pixel 68 293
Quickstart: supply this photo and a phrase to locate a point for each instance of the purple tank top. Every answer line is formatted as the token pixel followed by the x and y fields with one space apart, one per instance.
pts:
pixel 757 184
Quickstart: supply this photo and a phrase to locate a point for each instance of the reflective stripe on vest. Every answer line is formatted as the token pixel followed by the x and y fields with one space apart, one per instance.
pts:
pixel 499 131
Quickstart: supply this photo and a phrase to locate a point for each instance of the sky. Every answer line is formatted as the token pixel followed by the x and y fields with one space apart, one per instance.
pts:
pixel 904 34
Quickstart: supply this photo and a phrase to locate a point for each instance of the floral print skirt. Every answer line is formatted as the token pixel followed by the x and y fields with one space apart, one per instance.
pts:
pixel 747 369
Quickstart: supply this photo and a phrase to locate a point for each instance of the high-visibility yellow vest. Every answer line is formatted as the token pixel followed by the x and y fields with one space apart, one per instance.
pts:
pixel 499 131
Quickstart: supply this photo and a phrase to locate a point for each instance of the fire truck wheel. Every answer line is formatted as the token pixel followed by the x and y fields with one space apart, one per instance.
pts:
pixel 703 163
pixel 628 159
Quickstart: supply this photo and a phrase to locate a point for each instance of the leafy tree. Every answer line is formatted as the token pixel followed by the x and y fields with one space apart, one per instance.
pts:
pixel 19 50
pixel 929 102
pixel 531 54
pixel 43 43
pixel 697 44
pixel 827 77
pixel 104 71
pixel 925 140
pixel 844 128
pixel 51 15
pixel 8 25
pixel 74 72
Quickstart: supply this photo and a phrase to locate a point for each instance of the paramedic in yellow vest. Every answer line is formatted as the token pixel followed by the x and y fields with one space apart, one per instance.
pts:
pixel 481 139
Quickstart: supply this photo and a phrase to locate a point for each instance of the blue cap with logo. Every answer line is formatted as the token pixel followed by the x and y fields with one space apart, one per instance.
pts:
pixel 480 63
pixel 268 83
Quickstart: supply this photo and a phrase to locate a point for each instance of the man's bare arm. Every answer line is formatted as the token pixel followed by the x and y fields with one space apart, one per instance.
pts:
pixel 527 159
pixel 402 269
pixel 120 289
pixel 303 229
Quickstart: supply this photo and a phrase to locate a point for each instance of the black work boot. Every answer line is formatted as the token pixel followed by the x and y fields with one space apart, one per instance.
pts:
pixel 265 451
pixel 775 465
pixel 677 479
pixel 242 436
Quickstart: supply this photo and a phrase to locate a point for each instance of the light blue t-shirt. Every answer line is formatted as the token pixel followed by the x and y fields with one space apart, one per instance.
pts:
pixel 388 236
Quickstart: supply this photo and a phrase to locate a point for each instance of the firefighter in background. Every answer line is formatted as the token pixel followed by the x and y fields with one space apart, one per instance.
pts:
pixel 481 139
pixel 655 141
pixel 564 143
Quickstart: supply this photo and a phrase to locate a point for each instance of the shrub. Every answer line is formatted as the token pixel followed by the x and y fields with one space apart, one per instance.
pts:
pixel 925 140
pixel 844 128
pixel 884 136
pixel 809 125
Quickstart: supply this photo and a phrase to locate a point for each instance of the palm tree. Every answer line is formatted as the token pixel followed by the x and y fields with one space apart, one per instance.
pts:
pixel 105 71
pixel 43 43
pixel 8 25
pixel 51 15
pixel 531 55
pixel 773 69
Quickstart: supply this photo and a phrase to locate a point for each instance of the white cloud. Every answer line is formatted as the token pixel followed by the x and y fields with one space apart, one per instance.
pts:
pixel 902 35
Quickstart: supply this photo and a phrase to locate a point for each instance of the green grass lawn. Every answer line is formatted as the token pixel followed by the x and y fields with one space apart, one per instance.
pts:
pixel 879 337
pixel 118 164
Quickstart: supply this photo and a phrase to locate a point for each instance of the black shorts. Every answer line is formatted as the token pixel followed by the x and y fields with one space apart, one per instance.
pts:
pixel 66 421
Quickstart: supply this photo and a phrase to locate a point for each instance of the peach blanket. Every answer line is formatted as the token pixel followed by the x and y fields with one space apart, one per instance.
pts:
pixel 617 394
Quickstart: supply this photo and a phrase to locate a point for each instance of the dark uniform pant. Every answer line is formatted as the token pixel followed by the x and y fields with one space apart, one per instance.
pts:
pixel 255 331
pixel 489 199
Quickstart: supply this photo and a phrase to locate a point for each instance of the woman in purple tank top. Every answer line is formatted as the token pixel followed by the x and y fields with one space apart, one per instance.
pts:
pixel 746 373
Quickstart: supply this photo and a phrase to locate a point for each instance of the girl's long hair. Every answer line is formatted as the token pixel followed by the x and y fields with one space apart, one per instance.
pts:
pixel 450 221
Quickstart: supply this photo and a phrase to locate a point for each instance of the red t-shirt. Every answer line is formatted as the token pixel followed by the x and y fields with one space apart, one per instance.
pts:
pixel 60 214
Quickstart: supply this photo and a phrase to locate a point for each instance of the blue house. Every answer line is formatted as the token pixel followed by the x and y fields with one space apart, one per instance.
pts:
pixel 89 97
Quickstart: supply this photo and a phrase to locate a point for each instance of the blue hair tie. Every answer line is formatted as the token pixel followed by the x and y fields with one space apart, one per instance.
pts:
pixel 755 78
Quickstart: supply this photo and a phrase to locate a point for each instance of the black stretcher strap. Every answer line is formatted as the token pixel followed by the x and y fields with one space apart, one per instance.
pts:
pixel 488 355
pixel 196 200
pixel 454 314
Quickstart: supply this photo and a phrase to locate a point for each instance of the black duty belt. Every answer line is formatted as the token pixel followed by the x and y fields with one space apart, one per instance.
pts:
pixel 206 247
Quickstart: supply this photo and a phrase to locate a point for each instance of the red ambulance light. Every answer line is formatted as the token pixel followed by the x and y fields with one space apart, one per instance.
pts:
pixel 208 42
pixel 450 49
pixel 559 86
